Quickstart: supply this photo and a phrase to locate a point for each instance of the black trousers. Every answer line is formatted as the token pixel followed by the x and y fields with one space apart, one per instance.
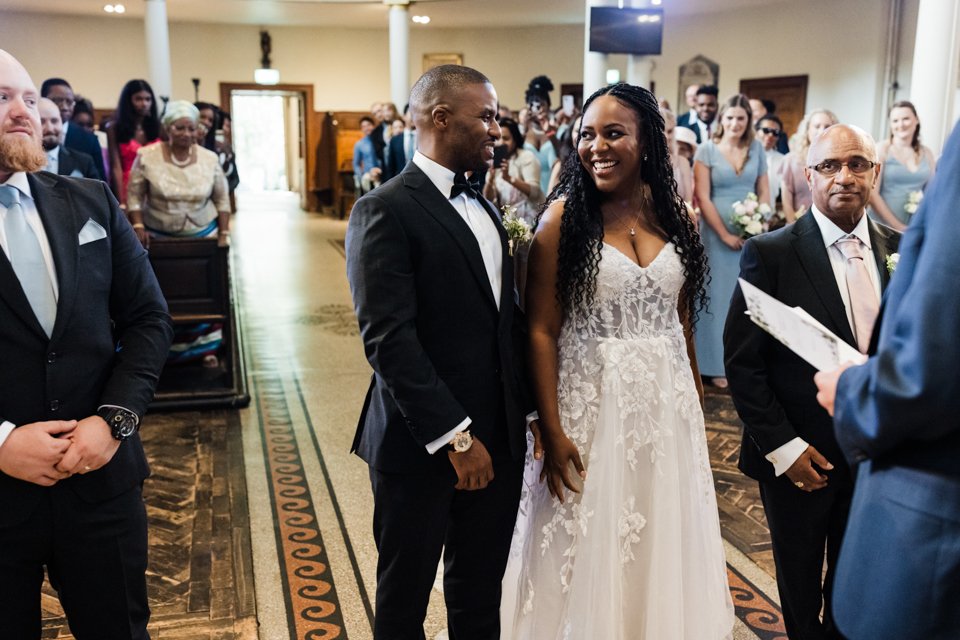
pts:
pixel 418 516
pixel 802 525
pixel 96 557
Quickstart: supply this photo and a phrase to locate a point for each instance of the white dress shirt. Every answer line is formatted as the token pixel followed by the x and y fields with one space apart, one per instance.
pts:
pixel 53 159
pixel 488 239
pixel 706 129
pixel 783 457
pixel 29 207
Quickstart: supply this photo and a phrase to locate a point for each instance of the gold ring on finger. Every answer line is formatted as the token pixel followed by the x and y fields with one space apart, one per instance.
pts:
pixel 797 484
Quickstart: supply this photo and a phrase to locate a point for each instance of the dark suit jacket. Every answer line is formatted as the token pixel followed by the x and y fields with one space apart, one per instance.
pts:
pixel 396 157
pixel 683 120
pixel 772 388
pixel 83 141
pixel 899 414
pixel 440 348
pixel 109 342
pixel 69 162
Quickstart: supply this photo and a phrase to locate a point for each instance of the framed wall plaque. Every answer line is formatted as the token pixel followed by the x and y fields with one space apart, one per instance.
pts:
pixel 697 70
pixel 431 60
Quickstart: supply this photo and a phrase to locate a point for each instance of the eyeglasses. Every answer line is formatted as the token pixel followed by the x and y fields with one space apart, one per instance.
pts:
pixel 833 167
pixel 770 132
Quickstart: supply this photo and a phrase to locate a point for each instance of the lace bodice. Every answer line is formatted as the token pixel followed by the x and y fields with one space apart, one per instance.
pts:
pixel 631 302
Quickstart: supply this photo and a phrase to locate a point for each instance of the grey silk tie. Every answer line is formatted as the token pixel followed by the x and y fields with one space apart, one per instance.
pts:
pixel 25 255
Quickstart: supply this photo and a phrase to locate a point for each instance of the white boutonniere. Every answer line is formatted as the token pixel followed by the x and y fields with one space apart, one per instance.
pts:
pixel 913 202
pixel 750 216
pixel 518 229
pixel 892 261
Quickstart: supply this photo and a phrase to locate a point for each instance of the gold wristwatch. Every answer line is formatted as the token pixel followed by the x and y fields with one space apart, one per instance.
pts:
pixel 462 442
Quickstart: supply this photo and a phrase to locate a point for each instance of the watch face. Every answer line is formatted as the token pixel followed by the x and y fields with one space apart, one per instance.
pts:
pixel 126 427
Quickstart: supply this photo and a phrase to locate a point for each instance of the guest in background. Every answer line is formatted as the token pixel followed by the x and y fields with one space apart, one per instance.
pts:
pixel 83 114
pixel 769 129
pixel 539 131
pixel 209 123
pixel 228 160
pixel 402 146
pixel 366 166
pixel 707 106
pixel 516 182
pixel 135 124
pixel 61 160
pixel 177 190
pixel 689 117
pixel 907 167
pixel 687 145
pixel 726 169
pixel 682 172
pixel 794 191
pixel 568 145
pixel 59 91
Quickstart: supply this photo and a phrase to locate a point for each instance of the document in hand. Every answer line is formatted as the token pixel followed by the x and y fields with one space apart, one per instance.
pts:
pixel 798 330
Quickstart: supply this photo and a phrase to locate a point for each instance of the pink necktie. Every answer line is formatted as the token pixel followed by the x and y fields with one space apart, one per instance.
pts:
pixel 864 304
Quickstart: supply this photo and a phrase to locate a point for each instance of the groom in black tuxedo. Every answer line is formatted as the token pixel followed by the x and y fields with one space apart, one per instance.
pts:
pixel 788 442
pixel 442 427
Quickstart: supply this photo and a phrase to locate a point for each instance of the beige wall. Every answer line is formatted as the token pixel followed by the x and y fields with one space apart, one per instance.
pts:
pixel 840 44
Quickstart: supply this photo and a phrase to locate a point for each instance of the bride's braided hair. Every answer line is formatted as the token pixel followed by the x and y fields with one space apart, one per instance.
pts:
pixel 581 227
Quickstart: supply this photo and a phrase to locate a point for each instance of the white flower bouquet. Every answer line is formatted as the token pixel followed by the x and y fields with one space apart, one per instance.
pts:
pixel 518 229
pixel 750 216
pixel 913 202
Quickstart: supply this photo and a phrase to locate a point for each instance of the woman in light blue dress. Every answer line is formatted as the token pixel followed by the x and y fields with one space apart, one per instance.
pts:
pixel 726 168
pixel 907 167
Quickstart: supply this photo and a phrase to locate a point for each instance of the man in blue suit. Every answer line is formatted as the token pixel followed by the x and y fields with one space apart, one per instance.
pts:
pixel 898 416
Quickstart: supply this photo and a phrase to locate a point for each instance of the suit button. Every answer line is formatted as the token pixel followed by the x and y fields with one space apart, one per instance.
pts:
pixel 51 357
pixel 54 405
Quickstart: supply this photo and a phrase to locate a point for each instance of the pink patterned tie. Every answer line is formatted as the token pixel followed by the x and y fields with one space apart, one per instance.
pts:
pixel 863 296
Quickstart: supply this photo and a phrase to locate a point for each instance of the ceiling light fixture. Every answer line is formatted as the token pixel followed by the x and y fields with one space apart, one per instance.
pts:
pixel 114 8
pixel 421 19
pixel 656 3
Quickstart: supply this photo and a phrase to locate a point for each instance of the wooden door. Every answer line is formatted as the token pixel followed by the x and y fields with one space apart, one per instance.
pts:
pixel 789 93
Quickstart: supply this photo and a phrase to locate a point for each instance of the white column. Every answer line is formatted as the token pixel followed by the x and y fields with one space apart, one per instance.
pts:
pixel 158 47
pixel 640 70
pixel 933 83
pixel 594 64
pixel 399 52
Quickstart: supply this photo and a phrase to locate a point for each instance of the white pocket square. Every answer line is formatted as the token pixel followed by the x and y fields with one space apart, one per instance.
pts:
pixel 76 174
pixel 91 231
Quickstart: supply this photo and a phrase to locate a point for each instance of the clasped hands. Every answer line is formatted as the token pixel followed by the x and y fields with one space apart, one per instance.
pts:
pixel 44 453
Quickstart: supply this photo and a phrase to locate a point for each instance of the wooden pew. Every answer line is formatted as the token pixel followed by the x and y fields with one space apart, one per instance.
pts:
pixel 194 275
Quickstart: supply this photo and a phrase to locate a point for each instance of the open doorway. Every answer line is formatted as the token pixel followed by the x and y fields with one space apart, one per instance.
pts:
pixel 270 136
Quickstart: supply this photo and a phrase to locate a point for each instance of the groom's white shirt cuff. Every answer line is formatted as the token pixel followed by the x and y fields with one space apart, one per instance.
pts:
pixel 783 457
pixel 5 430
pixel 445 439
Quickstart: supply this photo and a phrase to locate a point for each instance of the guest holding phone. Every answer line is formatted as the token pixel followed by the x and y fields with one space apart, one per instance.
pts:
pixel 540 134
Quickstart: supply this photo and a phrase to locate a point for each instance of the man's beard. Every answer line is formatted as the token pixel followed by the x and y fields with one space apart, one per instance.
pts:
pixel 51 142
pixel 21 154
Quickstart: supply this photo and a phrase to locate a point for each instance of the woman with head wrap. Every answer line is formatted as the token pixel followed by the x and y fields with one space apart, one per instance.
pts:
pixel 177 188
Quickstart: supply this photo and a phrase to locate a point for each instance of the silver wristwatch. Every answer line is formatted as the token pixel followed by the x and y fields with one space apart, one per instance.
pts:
pixel 462 442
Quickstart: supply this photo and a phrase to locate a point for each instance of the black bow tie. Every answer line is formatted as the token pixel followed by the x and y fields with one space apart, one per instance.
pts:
pixel 470 187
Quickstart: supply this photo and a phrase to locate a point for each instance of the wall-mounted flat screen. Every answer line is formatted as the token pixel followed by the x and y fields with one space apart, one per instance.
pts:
pixel 636 31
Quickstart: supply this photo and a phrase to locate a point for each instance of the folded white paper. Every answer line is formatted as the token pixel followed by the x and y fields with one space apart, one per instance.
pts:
pixel 798 330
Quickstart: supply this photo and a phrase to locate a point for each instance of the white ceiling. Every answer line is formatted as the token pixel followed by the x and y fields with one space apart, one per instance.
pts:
pixel 368 13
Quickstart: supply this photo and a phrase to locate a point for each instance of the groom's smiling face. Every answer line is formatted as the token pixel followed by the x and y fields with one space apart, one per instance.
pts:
pixel 472 127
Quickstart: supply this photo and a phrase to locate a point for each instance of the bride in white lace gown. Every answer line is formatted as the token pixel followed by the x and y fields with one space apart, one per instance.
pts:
pixel 636 554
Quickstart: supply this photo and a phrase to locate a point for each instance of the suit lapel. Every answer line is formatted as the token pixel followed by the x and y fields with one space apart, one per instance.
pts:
pixel 440 209
pixel 64 162
pixel 62 225
pixel 808 244
pixel 884 245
